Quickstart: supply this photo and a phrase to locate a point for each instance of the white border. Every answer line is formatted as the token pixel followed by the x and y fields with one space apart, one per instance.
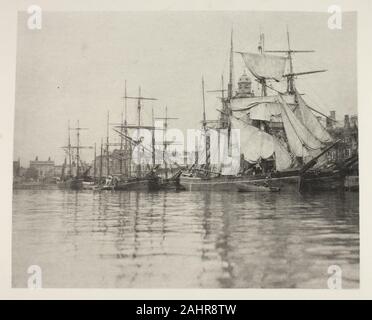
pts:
pixel 8 18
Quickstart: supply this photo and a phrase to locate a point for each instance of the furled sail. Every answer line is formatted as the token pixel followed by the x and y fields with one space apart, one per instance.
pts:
pixel 265 66
pixel 300 139
pixel 283 160
pixel 266 112
pixel 310 121
pixel 247 103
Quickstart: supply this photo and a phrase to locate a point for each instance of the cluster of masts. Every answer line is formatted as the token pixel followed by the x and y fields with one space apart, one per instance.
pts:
pixel 127 143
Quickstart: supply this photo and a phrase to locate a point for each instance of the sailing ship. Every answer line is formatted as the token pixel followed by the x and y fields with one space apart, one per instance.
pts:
pixel 137 157
pixel 147 175
pixel 164 182
pixel 135 169
pixel 75 176
pixel 282 142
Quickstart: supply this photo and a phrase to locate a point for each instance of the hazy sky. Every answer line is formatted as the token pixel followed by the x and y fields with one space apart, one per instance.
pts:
pixel 76 65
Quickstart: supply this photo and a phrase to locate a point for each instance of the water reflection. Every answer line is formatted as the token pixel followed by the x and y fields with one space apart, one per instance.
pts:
pixel 200 240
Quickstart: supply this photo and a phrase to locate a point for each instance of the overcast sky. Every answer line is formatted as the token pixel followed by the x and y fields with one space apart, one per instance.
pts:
pixel 75 68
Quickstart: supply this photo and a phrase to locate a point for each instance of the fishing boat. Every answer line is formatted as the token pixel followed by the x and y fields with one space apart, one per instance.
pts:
pixel 278 136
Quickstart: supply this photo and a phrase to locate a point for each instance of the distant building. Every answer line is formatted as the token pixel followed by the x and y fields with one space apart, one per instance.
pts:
pixel 347 133
pixel 244 87
pixel 45 169
pixel 118 163
pixel 17 168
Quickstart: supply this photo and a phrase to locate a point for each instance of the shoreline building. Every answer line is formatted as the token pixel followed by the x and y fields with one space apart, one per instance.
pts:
pixel 347 133
pixel 45 169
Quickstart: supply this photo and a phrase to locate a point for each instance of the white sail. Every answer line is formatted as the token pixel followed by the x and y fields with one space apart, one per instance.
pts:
pixel 283 159
pixel 230 152
pixel 310 121
pixel 300 139
pixel 256 144
pixel 265 66
pixel 267 112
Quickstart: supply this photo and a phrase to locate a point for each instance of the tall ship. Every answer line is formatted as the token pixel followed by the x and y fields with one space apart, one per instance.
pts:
pixel 280 140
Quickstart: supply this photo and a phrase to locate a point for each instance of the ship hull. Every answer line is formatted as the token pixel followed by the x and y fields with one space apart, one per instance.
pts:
pixel 71 184
pixel 323 181
pixel 250 187
pixel 231 184
pixel 166 184
pixel 137 185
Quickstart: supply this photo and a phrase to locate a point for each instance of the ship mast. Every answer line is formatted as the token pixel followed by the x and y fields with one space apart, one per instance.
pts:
pixel 207 142
pixel 127 168
pixel 153 139
pixel 108 144
pixel 69 150
pixel 123 140
pixel 204 115
pixel 95 161
pixel 139 99
pixel 231 69
pixel 261 50
pixel 78 147
pixel 100 162
pixel 291 88
pixel 77 150
pixel 165 141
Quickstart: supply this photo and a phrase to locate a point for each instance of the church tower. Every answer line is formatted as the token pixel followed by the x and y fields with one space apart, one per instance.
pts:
pixel 244 87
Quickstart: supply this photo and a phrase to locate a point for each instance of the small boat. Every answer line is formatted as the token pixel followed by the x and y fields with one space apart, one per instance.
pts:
pixel 256 188
pixel 88 185
pixel 137 184
pixel 109 183
pixel 158 183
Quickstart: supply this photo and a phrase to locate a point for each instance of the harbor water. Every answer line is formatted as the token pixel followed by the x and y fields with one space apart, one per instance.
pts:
pixel 110 239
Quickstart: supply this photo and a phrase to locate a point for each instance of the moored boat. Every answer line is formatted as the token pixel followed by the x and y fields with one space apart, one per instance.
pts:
pixel 276 135
pixel 174 183
pixel 78 180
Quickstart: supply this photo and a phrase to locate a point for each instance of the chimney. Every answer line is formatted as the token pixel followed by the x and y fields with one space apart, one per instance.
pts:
pixel 354 121
pixel 332 116
pixel 49 159
pixel 37 158
pixel 347 121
